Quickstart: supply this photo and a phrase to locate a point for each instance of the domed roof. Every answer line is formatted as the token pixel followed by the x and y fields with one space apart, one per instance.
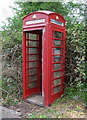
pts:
pixel 45 11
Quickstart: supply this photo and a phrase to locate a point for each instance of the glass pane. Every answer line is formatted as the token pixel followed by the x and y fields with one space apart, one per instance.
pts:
pixel 57 43
pixel 56 74
pixel 32 85
pixel 56 89
pixel 32 50
pixel 27 71
pixel 32 77
pixel 32 57
pixel 32 64
pixel 32 71
pixel 57 34
pixel 27 50
pixel 32 36
pixel 27 57
pixel 56 58
pixel 56 66
pixel 27 43
pixel 56 50
pixel 27 35
pixel 27 79
pixel 33 43
pixel 27 64
pixel 57 82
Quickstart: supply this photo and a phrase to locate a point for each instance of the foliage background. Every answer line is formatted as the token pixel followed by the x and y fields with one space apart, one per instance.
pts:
pixel 75 73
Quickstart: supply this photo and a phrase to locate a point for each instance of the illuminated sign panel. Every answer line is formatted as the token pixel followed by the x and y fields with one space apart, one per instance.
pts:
pixel 35 21
pixel 56 22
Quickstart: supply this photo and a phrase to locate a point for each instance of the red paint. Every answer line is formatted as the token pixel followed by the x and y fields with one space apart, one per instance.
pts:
pixel 45 56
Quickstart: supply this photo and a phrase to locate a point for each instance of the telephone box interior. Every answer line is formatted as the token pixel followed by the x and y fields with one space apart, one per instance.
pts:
pixel 43 56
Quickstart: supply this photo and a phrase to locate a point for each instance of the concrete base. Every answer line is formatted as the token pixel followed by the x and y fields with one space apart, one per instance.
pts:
pixel 35 99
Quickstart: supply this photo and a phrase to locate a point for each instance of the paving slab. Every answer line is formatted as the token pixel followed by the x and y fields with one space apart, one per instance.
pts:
pixel 8 113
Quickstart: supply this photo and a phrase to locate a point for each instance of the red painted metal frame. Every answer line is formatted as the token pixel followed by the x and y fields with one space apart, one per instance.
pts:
pixel 47 55
pixel 24 64
pixel 46 65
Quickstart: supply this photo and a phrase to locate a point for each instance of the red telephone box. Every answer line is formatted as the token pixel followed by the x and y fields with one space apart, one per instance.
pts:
pixel 43 51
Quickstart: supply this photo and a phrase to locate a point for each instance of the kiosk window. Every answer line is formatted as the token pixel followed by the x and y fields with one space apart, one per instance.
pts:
pixel 56 74
pixel 56 66
pixel 32 36
pixel 32 85
pixel 56 58
pixel 32 50
pixel 57 34
pixel 32 64
pixel 56 89
pixel 32 57
pixel 57 82
pixel 32 71
pixel 56 50
pixel 57 43
pixel 33 43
